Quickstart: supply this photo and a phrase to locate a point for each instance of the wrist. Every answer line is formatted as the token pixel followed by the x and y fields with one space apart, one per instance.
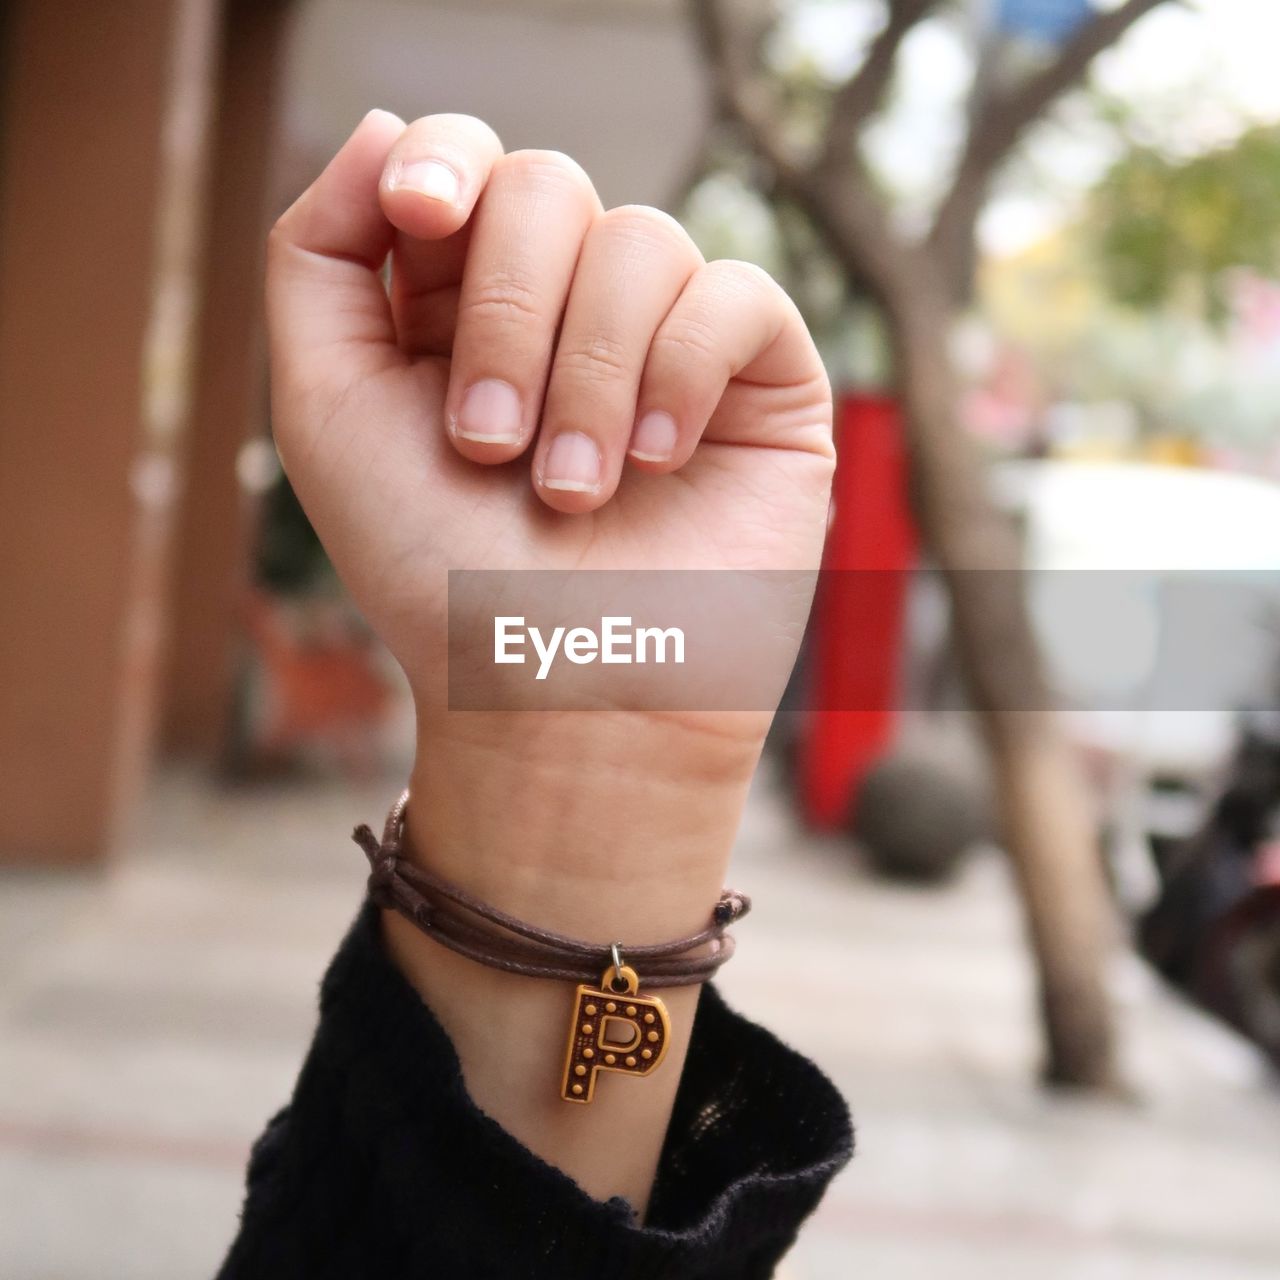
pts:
pixel 609 827
pixel 599 824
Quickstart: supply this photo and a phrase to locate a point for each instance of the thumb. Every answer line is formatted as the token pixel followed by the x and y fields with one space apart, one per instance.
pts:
pixel 327 310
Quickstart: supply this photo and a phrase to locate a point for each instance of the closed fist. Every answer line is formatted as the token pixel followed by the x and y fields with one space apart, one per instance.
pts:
pixel 538 383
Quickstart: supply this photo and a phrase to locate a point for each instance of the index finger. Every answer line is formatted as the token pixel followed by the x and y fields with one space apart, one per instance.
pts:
pixel 435 172
pixel 432 178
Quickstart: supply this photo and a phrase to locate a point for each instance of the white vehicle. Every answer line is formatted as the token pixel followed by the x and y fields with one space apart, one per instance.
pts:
pixel 1155 596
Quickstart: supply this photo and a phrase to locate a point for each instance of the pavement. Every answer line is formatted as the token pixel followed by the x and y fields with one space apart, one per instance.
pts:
pixel 153 1014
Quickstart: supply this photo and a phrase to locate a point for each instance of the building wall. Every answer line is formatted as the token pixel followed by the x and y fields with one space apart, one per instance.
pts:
pixel 617 86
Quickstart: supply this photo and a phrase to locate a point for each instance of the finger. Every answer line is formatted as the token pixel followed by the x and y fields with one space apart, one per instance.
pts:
pixel 634 263
pixel 733 363
pixel 435 172
pixel 527 232
pixel 432 180
pixel 325 298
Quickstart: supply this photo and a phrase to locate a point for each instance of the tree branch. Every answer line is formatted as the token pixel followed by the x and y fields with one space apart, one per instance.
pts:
pixel 839 198
pixel 1000 123
pixel 738 91
pixel 858 98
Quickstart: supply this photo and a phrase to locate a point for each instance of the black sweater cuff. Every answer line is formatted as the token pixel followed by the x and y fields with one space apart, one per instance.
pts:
pixel 383 1167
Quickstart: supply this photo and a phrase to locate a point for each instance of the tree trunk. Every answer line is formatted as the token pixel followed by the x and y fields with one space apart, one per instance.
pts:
pixel 1044 806
pixel 1047 825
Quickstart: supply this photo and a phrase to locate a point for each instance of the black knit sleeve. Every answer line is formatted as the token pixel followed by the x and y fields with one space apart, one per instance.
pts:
pixel 382 1167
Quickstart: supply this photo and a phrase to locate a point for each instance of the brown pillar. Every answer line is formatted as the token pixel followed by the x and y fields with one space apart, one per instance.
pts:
pixel 102 109
pixel 213 537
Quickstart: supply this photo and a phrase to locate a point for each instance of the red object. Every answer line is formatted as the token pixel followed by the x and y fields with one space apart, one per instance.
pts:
pixel 856 632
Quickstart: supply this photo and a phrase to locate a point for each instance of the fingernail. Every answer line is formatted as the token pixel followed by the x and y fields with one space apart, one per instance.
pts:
pixel 490 413
pixel 428 178
pixel 654 439
pixel 573 464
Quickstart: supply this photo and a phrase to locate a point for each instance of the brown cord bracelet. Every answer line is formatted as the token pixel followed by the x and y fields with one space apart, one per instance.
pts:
pixel 614 1028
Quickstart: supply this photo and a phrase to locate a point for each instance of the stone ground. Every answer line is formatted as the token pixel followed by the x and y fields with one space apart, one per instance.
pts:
pixel 152 1017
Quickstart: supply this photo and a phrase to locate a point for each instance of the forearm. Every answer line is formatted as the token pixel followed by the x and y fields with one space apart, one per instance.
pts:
pixel 382 1167
pixel 605 826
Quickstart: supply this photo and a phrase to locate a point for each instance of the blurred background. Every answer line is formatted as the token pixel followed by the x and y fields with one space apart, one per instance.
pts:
pixel 1039 244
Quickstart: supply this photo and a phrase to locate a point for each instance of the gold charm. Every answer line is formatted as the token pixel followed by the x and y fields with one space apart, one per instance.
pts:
pixel 613 1029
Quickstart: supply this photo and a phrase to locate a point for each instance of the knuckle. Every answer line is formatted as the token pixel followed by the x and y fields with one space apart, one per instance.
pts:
pixel 740 279
pixel 279 239
pixel 276 242
pixel 455 121
pixel 820 384
pixel 503 301
pixel 454 134
pixel 691 337
pixel 551 169
pixel 600 358
pixel 285 253
pixel 646 226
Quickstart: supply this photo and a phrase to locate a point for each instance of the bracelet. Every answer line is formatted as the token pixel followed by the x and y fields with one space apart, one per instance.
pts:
pixel 614 1028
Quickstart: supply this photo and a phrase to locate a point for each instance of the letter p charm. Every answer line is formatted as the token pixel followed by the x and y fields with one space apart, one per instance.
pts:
pixel 613 1029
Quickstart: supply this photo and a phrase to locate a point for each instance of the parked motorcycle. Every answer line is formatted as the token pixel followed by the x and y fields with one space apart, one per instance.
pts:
pixel 1214 929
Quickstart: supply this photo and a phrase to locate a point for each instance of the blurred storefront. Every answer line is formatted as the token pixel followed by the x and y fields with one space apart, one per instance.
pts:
pixel 145 147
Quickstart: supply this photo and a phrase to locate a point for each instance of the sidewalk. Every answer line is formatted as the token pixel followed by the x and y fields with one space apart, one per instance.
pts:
pixel 152 1017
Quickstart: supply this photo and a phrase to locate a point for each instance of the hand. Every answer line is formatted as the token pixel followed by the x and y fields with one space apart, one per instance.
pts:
pixel 544 385
pixel 533 348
